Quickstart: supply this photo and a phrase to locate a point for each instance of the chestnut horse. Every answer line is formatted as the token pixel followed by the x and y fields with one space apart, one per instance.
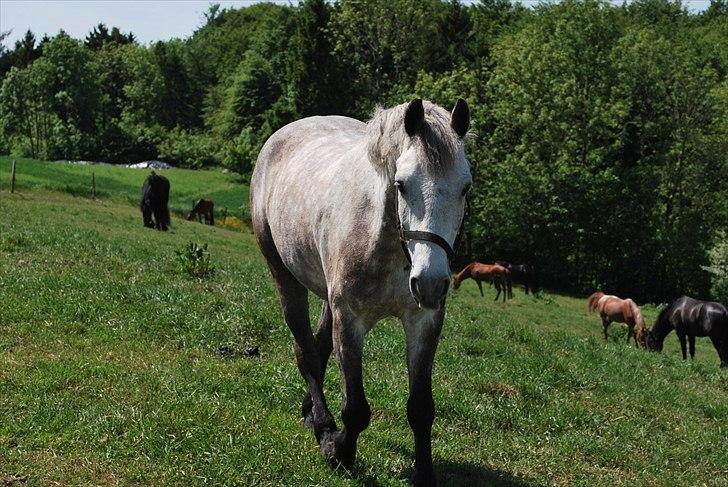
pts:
pixel 493 273
pixel 617 310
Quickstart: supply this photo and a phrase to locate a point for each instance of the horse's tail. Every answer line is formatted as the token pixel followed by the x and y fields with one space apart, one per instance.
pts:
pixel 593 300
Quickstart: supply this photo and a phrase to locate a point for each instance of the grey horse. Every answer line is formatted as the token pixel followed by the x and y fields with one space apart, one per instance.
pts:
pixel 364 215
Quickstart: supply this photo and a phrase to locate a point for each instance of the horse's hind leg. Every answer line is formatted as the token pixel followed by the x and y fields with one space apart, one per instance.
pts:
pixel 325 346
pixel 348 337
pixel 691 341
pixel 721 346
pixel 480 286
pixel 605 324
pixel 294 302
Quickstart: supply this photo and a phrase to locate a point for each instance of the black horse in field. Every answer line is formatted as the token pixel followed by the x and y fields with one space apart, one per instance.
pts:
pixel 521 274
pixel 692 318
pixel 155 196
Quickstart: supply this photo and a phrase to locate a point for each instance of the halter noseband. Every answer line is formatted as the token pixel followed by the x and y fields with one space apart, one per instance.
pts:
pixel 407 235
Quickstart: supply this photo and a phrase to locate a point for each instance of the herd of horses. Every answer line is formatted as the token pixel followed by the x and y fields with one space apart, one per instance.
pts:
pixel 364 215
pixel 155 204
pixel 688 317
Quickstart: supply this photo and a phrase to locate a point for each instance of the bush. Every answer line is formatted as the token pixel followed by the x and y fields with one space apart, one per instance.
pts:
pixel 194 260
pixel 186 149
pixel 718 268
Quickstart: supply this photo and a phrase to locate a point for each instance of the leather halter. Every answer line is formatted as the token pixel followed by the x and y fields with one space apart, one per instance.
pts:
pixel 407 235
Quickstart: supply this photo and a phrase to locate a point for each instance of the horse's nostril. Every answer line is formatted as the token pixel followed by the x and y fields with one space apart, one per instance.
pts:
pixel 414 287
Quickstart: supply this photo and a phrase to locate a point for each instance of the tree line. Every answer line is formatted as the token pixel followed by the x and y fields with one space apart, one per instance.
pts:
pixel 600 147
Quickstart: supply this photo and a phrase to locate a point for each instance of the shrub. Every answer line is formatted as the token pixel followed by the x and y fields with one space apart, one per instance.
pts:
pixel 718 268
pixel 194 260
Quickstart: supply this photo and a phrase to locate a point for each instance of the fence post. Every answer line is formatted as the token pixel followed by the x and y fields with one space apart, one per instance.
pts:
pixel 93 184
pixel 12 178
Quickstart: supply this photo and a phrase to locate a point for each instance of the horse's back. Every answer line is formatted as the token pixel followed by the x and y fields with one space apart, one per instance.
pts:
pixel 301 188
pixel 303 146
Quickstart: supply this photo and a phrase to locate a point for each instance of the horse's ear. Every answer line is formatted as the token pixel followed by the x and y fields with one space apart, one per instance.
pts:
pixel 414 116
pixel 460 118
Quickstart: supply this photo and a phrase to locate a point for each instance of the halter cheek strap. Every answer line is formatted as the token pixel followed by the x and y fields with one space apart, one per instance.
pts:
pixel 407 235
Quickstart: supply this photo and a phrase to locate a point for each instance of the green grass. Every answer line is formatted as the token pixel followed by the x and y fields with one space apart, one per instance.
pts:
pixel 111 373
pixel 227 190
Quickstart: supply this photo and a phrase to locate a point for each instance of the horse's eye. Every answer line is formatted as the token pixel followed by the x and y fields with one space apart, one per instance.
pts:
pixel 466 189
pixel 400 186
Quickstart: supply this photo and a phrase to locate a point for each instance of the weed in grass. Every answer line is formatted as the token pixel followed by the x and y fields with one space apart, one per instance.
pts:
pixel 194 259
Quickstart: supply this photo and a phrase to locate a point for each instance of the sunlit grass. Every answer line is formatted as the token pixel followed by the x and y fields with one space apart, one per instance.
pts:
pixel 111 373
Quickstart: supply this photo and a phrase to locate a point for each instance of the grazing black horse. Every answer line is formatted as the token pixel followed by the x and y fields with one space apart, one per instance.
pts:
pixel 521 274
pixel 690 318
pixel 155 195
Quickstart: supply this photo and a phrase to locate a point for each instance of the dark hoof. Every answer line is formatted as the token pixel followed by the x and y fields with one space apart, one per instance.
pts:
pixel 332 447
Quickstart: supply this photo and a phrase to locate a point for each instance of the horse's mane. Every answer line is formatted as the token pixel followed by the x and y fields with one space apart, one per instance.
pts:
pixel 593 300
pixel 662 316
pixel 463 271
pixel 436 140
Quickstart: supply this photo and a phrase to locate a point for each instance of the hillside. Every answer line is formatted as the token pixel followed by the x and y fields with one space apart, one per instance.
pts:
pixel 118 369
pixel 122 183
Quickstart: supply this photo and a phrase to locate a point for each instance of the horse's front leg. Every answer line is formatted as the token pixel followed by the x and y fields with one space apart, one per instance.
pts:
pixel 683 346
pixel 423 332
pixel 631 333
pixel 498 290
pixel 605 324
pixel 348 342
pixel 691 342
pixel 480 286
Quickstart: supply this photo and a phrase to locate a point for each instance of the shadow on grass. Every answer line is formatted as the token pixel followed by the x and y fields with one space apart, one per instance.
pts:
pixel 455 473
pixel 468 474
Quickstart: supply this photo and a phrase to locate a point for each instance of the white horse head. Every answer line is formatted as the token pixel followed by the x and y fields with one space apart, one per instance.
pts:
pixel 426 163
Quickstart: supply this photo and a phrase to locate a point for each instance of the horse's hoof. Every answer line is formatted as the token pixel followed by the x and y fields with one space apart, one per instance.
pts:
pixel 332 447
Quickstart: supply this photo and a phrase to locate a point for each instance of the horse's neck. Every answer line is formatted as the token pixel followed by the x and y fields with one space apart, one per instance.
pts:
pixel 662 327
pixel 465 273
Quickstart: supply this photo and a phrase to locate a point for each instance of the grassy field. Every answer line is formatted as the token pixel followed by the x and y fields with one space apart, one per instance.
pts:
pixel 118 369
pixel 122 183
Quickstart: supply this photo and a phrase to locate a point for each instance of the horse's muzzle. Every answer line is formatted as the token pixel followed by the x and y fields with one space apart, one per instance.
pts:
pixel 429 293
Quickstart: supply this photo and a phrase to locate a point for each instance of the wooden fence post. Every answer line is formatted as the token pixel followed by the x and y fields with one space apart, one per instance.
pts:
pixel 93 184
pixel 12 178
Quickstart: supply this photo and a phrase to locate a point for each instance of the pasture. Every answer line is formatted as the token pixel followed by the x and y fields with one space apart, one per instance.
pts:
pixel 117 369
pixel 124 184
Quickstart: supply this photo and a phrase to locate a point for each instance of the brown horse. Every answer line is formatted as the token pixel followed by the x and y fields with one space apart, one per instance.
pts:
pixel 203 208
pixel 617 310
pixel 493 273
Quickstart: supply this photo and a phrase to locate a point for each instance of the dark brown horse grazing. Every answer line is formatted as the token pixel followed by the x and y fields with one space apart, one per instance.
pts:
pixel 496 274
pixel 521 274
pixel 692 318
pixel 617 310
pixel 155 196
pixel 203 208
